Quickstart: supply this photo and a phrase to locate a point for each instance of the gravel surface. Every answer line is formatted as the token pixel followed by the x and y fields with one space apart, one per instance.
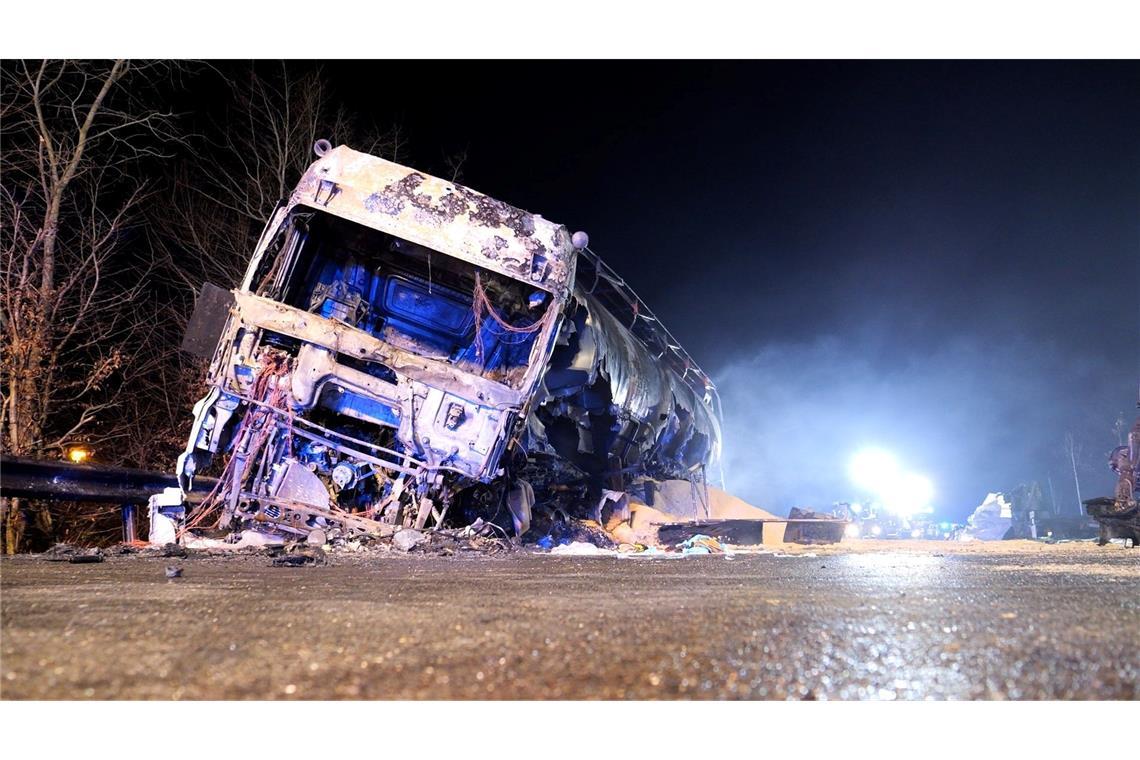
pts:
pixel 870 620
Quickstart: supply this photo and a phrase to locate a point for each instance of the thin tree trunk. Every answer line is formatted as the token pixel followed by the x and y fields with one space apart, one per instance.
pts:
pixel 1077 482
pixel 13 525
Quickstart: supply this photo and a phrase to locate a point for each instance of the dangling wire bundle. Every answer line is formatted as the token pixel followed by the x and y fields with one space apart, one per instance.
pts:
pixel 481 305
pixel 251 436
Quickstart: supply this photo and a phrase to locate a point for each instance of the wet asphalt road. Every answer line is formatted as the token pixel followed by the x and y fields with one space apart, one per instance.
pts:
pixel 886 623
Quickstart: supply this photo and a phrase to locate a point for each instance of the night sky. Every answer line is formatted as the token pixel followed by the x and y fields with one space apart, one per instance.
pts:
pixel 939 259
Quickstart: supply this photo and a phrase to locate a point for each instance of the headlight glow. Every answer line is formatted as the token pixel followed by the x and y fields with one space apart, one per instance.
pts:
pixel 902 493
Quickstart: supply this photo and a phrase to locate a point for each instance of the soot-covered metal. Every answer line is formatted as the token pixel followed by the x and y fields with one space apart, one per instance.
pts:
pixel 401 344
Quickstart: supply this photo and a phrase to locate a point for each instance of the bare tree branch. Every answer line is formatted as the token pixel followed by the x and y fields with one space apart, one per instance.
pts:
pixel 72 131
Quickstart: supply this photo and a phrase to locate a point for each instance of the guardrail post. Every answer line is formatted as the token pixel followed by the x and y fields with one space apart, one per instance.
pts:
pixel 129 528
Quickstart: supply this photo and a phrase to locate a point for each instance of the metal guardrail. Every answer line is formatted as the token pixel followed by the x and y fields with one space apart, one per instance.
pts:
pixel 64 481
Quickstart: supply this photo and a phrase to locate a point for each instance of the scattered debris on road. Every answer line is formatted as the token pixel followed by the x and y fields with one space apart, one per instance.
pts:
pixel 408 539
pixel 73 554
pixel 84 559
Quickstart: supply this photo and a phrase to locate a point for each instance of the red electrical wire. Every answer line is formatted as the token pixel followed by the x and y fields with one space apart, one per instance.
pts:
pixel 256 420
pixel 481 305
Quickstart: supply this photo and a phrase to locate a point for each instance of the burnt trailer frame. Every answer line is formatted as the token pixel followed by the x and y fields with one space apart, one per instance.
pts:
pixel 424 319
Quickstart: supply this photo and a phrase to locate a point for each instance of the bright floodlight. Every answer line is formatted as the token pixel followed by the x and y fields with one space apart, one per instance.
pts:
pixel 904 493
pixel 873 469
pixel 908 494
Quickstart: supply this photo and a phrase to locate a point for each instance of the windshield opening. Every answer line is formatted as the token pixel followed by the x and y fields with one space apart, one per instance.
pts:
pixel 407 295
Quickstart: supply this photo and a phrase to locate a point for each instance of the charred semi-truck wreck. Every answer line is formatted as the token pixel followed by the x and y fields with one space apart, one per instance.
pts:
pixel 401 345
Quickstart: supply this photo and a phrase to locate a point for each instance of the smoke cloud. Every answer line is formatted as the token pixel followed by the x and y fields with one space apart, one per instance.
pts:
pixel 972 417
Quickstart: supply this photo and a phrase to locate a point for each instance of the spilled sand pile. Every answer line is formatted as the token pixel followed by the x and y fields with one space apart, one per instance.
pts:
pixel 677 501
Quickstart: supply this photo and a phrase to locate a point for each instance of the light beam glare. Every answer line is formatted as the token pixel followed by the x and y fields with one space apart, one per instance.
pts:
pixel 902 493
pixel 873 469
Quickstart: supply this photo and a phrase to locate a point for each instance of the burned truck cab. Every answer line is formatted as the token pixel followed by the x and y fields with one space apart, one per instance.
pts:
pixel 381 354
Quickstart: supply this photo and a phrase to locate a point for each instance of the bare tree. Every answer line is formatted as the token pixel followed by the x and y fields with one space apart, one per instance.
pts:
pixel 68 204
pixel 222 198
pixel 454 163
